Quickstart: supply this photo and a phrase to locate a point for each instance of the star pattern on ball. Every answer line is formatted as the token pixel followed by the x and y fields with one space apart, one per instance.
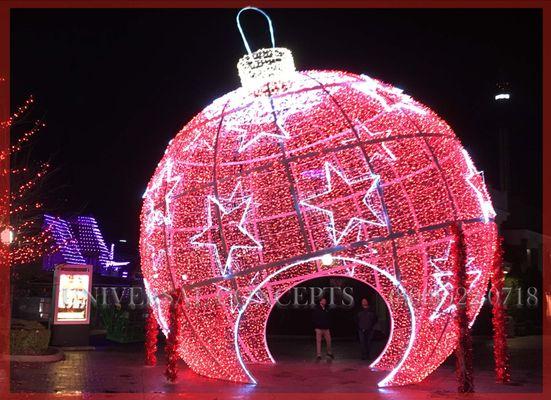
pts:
pixel 157 259
pixel 473 270
pixel 258 296
pixel 476 181
pixel 199 141
pixel 233 297
pixel 247 138
pixel 232 231
pixel 155 303
pixel 325 203
pixel 443 280
pixel 270 121
pixel 159 216
pixel 372 88
pixel 350 270
pixel 386 153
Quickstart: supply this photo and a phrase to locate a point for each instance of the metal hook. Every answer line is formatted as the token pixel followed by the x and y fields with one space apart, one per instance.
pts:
pixel 241 29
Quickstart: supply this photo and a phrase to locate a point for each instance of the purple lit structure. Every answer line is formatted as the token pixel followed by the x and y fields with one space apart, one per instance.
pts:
pixel 78 240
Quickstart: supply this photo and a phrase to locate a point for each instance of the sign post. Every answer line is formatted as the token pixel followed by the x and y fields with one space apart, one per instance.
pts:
pixel 71 316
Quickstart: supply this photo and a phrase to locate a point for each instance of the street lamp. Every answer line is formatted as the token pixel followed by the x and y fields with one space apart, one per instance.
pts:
pixel 502 96
pixel 7 236
pixel 503 92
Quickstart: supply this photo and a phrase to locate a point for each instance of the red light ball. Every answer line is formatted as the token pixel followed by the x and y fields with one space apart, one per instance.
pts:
pixel 261 184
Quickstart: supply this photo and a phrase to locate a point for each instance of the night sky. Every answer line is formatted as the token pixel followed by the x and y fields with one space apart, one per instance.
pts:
pixel 114 86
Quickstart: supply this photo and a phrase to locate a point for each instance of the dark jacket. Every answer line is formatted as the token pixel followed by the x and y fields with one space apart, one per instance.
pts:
pixel 321 319
pixel 366 319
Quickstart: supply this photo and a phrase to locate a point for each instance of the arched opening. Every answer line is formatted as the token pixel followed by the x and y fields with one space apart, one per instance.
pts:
pixel 249 337
pixel 290 330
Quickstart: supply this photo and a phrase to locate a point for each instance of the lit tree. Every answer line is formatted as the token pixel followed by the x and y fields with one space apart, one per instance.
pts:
pixel 27 178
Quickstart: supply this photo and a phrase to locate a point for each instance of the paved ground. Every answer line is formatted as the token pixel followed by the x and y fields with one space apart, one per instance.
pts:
pixel 119 368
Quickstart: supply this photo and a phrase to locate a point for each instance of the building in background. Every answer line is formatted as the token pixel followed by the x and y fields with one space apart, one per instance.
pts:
pixel 527 249
pixel 78 240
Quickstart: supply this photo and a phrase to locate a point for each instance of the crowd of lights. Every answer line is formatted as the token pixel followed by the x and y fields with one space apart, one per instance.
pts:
pixel 303 175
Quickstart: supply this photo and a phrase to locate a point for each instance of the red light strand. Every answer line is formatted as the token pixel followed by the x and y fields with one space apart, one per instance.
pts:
pixel 174 336
pixel 151 333
pixel 501 356
pixel 464 350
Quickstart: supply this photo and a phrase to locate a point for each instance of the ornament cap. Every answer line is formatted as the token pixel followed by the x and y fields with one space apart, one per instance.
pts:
pixel 265 65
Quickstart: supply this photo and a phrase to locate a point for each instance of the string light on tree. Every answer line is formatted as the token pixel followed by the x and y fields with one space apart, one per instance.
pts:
pixel 27 200
pixel 302 174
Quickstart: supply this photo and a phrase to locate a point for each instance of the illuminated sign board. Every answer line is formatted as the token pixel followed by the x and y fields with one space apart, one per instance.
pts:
pixel 72 286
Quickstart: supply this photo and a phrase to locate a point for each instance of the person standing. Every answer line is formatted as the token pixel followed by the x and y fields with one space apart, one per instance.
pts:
pixel 366 320
pixel 321 319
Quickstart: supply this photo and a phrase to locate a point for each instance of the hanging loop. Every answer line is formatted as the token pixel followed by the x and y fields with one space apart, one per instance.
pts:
pixel 241 29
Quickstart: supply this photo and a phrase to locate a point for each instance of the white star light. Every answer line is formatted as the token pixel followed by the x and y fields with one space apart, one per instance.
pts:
pixel 199 141
pixel 354 222
pixel 387 152
pixel 273 111
pixel 370 86
pixel 156 257
pixel 233 296
pixel 445 288
pixel 473 270
pixel 245 144
pixel 350 270
pixel 155 216
pixel 159 217
pixel 481 194
pixel 156 303
pixel 259 296
pixel 264 111
pixel 225 267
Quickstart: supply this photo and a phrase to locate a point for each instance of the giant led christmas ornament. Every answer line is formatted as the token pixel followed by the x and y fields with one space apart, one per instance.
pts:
pixel 257 189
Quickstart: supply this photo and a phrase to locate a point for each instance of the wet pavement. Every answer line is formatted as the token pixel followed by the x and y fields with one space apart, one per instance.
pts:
pixel 114 368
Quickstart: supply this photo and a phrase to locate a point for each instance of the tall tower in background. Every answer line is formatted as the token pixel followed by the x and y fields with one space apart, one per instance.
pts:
pixel 503 104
